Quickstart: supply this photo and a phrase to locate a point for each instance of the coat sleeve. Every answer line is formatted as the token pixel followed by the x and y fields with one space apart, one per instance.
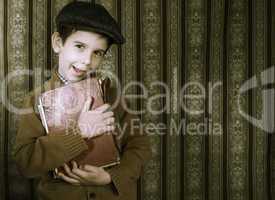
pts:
pixel 35 153
pixel 136 151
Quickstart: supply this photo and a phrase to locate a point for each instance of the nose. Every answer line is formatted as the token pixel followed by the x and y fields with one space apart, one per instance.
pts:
pixel 87 58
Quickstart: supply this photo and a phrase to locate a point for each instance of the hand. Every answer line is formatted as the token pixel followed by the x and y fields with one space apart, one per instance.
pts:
pixel 85 175
pixel 95 122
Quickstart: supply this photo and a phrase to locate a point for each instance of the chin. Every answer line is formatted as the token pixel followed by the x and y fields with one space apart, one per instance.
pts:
pixel 75 78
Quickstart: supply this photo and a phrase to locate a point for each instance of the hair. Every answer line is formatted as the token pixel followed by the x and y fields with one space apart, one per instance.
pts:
pixel 65 31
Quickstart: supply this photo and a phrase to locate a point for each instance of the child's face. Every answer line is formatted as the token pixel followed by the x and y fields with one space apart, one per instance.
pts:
pixel 82 52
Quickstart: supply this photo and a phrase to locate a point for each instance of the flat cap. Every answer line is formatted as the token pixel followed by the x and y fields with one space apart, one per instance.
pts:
pixel 90 16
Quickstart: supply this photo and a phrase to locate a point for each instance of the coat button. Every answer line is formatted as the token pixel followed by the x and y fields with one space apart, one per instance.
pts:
pixel 92 196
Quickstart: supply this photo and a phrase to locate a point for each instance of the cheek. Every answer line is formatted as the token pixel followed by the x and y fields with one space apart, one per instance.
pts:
pixel 70 56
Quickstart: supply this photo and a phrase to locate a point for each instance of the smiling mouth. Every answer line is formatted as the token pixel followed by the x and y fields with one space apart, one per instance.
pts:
pixel 78 71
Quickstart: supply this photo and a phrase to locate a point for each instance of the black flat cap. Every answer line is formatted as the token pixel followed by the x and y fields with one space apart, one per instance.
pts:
pixel 90 16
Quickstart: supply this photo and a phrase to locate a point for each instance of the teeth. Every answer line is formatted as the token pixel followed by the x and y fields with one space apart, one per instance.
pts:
pixel 78 70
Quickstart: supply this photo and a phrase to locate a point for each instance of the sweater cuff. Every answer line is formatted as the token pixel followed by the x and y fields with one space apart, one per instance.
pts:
pixel 73 145
pixel 73 142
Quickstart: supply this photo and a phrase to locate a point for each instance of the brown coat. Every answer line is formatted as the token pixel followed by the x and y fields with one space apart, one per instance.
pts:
pixel 37 153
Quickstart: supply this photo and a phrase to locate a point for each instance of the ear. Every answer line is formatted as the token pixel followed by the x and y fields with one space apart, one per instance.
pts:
pixel 57 43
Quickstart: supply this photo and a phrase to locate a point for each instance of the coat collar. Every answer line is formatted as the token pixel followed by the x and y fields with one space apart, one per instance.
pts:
pixel 57 80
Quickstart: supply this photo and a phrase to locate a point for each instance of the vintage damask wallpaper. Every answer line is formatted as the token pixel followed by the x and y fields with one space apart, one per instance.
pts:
pixel 200 53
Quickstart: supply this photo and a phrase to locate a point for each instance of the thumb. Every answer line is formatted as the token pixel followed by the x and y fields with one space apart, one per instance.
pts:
pixel 87 105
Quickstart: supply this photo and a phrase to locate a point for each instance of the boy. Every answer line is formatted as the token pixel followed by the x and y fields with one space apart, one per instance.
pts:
pixel 84 34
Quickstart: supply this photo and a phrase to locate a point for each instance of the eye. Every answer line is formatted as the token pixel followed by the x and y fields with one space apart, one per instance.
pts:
pixel 80 46
pixel 99 53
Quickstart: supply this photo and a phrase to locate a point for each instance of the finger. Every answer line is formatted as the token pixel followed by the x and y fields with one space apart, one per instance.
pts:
pixel 97 130
pixel 68 179
pixel 74 164
pixel 104 129
pixel 90 168
pixel 107 115
pixel 109 128
pixel 87 105
pixel 81 167
pixel 109 121
pixel 84 175
pixel 102 108
pixel 78 172
pixel 69 172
